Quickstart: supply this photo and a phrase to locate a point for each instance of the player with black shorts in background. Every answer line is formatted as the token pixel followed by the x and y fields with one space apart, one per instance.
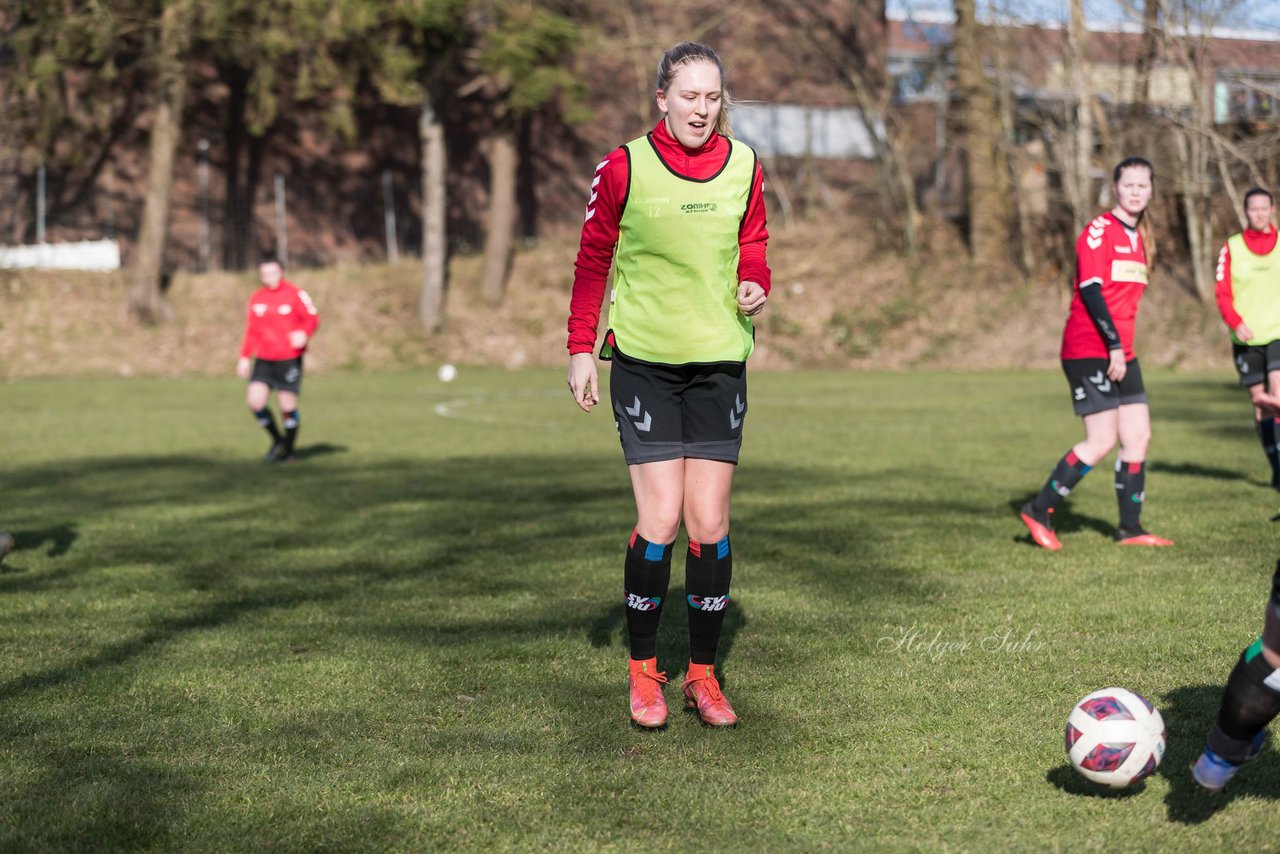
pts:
pixel 279 323
pixel 1248 296
pixel 684 208
pixel 1101 368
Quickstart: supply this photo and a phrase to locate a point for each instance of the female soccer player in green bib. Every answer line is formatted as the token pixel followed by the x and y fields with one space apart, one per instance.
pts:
pixel 679 213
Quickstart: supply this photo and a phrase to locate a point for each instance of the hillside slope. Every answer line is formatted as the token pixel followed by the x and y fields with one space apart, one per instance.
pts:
pixel 836 304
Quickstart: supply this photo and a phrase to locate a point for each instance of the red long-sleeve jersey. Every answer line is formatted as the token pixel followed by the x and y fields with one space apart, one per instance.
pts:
pixel 608 197
pixel 1259 243
pixel 1109 256
pixel 272 314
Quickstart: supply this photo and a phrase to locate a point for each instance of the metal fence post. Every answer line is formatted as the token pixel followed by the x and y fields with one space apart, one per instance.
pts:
pixel 282 234
pixel 389 217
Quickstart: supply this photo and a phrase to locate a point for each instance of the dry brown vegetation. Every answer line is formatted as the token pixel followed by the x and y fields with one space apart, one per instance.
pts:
pixel 837 303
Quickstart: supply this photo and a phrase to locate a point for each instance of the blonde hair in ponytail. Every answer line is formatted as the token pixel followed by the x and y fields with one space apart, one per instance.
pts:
pixel 687 53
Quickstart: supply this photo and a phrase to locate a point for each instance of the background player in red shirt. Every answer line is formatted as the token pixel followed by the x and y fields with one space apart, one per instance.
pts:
pixel 1101 368
pixel 279 323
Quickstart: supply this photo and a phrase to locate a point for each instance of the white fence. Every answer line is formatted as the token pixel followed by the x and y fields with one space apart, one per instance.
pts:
pixel 85 255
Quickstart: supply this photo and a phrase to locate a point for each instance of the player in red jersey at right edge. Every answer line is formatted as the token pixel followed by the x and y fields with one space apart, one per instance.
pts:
pixel 279 323
pixel 684 208
pixel 1098 359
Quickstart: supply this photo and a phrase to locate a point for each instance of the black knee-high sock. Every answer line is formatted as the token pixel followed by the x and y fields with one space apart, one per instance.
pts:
pixel 1267 435
pixel 708 568
pixel 646 576
pixel 290 430
pixel 1250 701
pixel 1066 474
pixel 267 422
pixel 1130 480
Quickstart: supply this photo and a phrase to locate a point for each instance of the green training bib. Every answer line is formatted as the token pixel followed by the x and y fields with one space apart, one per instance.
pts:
pixel 675 286
pixel 1255 291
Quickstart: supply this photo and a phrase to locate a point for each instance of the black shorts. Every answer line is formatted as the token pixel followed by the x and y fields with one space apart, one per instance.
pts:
pixel 1092 391
pixel 281 375
pixel 1253 363
pixel 667 412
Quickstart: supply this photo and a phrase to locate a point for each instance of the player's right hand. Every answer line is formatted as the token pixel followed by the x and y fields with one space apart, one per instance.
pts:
pixel 1117 368
pixel 243 365
pixel 1243 332
pixel 1268 404
pixel 584 381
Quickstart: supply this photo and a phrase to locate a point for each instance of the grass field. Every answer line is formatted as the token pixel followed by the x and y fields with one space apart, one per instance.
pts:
pixel 412 639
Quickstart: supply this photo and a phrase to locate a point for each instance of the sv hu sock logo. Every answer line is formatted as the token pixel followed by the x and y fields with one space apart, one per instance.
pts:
pixel 709 603
pixel 643 603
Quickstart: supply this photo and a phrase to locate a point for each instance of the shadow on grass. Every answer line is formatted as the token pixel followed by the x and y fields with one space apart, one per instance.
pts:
pixel 1188 714
pixel 121 802
pixel 404 551
pixel 1065 520
pixel 1068 780
pixel 320 449
pixel 59 538
pixel 1194 470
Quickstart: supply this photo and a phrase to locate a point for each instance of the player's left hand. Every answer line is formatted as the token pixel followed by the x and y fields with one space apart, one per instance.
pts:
pixel 297 339
pixel 751 298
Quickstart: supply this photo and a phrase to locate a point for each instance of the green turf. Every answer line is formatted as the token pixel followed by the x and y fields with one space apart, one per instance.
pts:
pixel 412 639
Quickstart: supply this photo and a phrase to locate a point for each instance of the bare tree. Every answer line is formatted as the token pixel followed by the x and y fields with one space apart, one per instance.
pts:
pixel 1079 183
pixel 986 168
pixel 1147 55
pixel 522 68
pixel 1190 31
pixel 852 39
pixel 145 297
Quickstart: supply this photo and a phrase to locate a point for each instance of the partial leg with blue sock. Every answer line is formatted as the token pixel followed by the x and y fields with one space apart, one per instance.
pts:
pixel 647 574
pixel 1250 702
pixel 1037 514
pixel 708 571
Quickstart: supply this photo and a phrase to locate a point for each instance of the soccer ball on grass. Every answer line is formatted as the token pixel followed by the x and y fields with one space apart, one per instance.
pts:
pixel 1115 737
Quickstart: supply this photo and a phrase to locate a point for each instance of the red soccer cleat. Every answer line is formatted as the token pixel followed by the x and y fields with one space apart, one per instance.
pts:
pixel 1139 537
pixel 648 706
pixel 1041 527
pixel 702 692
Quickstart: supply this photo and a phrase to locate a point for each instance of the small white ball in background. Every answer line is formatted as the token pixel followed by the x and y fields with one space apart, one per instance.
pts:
pixel 447 373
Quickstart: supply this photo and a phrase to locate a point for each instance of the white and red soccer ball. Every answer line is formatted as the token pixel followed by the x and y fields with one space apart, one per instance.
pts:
pixel 1115 737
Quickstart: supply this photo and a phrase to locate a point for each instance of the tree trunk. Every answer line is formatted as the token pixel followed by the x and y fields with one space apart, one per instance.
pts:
pixel 986 170
pixel 1147 55
pixel 434 255
pixel 499 242
pixel 234 248
pixel 1009 142
pixel 1192 172
pixel 145 297
pixel 527 180
pixel 1079 183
